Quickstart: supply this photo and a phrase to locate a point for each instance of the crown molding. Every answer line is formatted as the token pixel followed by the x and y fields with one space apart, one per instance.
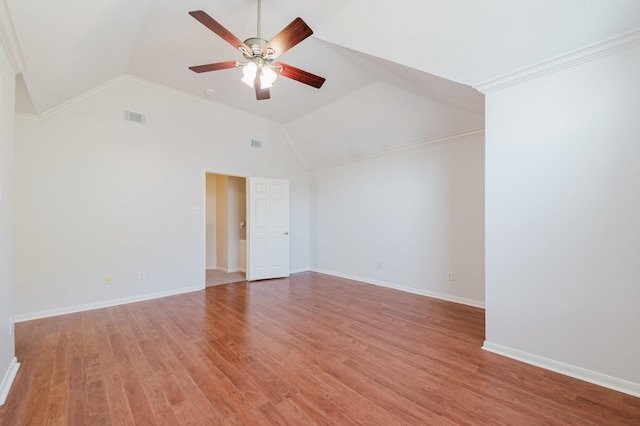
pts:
pixel 129 78
pixel 409 147
pixel 9 39
pixel 79 98
pixel 558 63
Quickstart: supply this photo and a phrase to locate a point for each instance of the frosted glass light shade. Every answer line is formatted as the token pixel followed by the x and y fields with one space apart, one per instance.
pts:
pixel 267 77
pixel 249 73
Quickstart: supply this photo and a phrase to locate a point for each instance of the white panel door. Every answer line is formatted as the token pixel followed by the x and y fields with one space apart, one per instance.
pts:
pixel 268 228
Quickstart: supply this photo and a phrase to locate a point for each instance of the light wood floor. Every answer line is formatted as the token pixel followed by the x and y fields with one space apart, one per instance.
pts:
pixel 310 349
pixel 215 277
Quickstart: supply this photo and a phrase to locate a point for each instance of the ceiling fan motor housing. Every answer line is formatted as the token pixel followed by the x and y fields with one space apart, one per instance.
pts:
pixel 258 56
pixel 256 46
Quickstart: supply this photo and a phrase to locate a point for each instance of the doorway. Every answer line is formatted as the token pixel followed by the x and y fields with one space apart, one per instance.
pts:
pixel 226 232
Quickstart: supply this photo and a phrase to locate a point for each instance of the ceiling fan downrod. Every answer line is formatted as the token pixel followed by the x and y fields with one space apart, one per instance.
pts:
pixel 259 19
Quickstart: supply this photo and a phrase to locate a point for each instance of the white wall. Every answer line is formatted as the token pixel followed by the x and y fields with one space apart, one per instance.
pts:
pixel 211 261
pixel 7 94
pixel 420 213
pixel 222 222
pixel 376 118
pixel 237 214
pixel 562 211
pixel 99 196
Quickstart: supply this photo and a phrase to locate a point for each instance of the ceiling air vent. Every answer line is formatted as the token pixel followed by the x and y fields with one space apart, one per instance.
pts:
pixel 256 144
pixel 135 117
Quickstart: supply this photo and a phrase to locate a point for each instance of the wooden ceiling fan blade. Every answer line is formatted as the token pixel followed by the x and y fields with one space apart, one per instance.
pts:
pixel 263 94
pixel 214 67
pixel 291 35
pixel 221 31
pixel 297 74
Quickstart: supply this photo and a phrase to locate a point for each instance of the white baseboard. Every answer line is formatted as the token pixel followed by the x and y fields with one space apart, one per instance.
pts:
pixel 8 379
pixel 441 296
pixel 298 270
pixel 105 304
pixel 594 377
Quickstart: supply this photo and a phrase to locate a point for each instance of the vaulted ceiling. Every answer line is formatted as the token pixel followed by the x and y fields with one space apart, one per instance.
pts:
pixel 377 56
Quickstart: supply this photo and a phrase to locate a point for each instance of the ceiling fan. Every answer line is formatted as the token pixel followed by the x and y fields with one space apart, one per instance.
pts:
pixel 259 68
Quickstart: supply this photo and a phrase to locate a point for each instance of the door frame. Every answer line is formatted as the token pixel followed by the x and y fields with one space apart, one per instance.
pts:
pixel 204 216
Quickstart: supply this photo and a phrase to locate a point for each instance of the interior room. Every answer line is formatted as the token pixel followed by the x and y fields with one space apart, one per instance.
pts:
pixel 226 229
pixel 431 212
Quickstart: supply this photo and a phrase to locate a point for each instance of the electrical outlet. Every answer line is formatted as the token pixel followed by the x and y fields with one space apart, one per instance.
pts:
pixel 142 275
pixel 108 280
pixel 450 275
pixel 378 265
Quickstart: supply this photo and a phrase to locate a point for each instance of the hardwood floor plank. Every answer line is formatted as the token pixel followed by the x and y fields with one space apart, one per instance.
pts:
pixel 104 348
pixel 151 385
pixel 119 409
pixel 58 399
pixel 275 416
pixel 95 389
pixel 309 341
pixel 307 350
pixel 77 407
pixel 134 383
pixel 161 362
pixel 206 379
pixel 298 360
pixel 245 388
pixel 42 381
pixel 196 403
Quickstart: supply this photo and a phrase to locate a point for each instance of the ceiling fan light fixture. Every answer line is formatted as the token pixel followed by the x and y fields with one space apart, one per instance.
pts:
pixel 260 55
pixel 267 77
pixel 249 73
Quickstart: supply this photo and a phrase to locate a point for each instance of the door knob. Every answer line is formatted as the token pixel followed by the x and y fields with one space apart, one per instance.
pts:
pixel 285 233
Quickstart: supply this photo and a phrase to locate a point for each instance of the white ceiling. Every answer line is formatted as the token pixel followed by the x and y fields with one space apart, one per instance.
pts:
pixel 397 47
